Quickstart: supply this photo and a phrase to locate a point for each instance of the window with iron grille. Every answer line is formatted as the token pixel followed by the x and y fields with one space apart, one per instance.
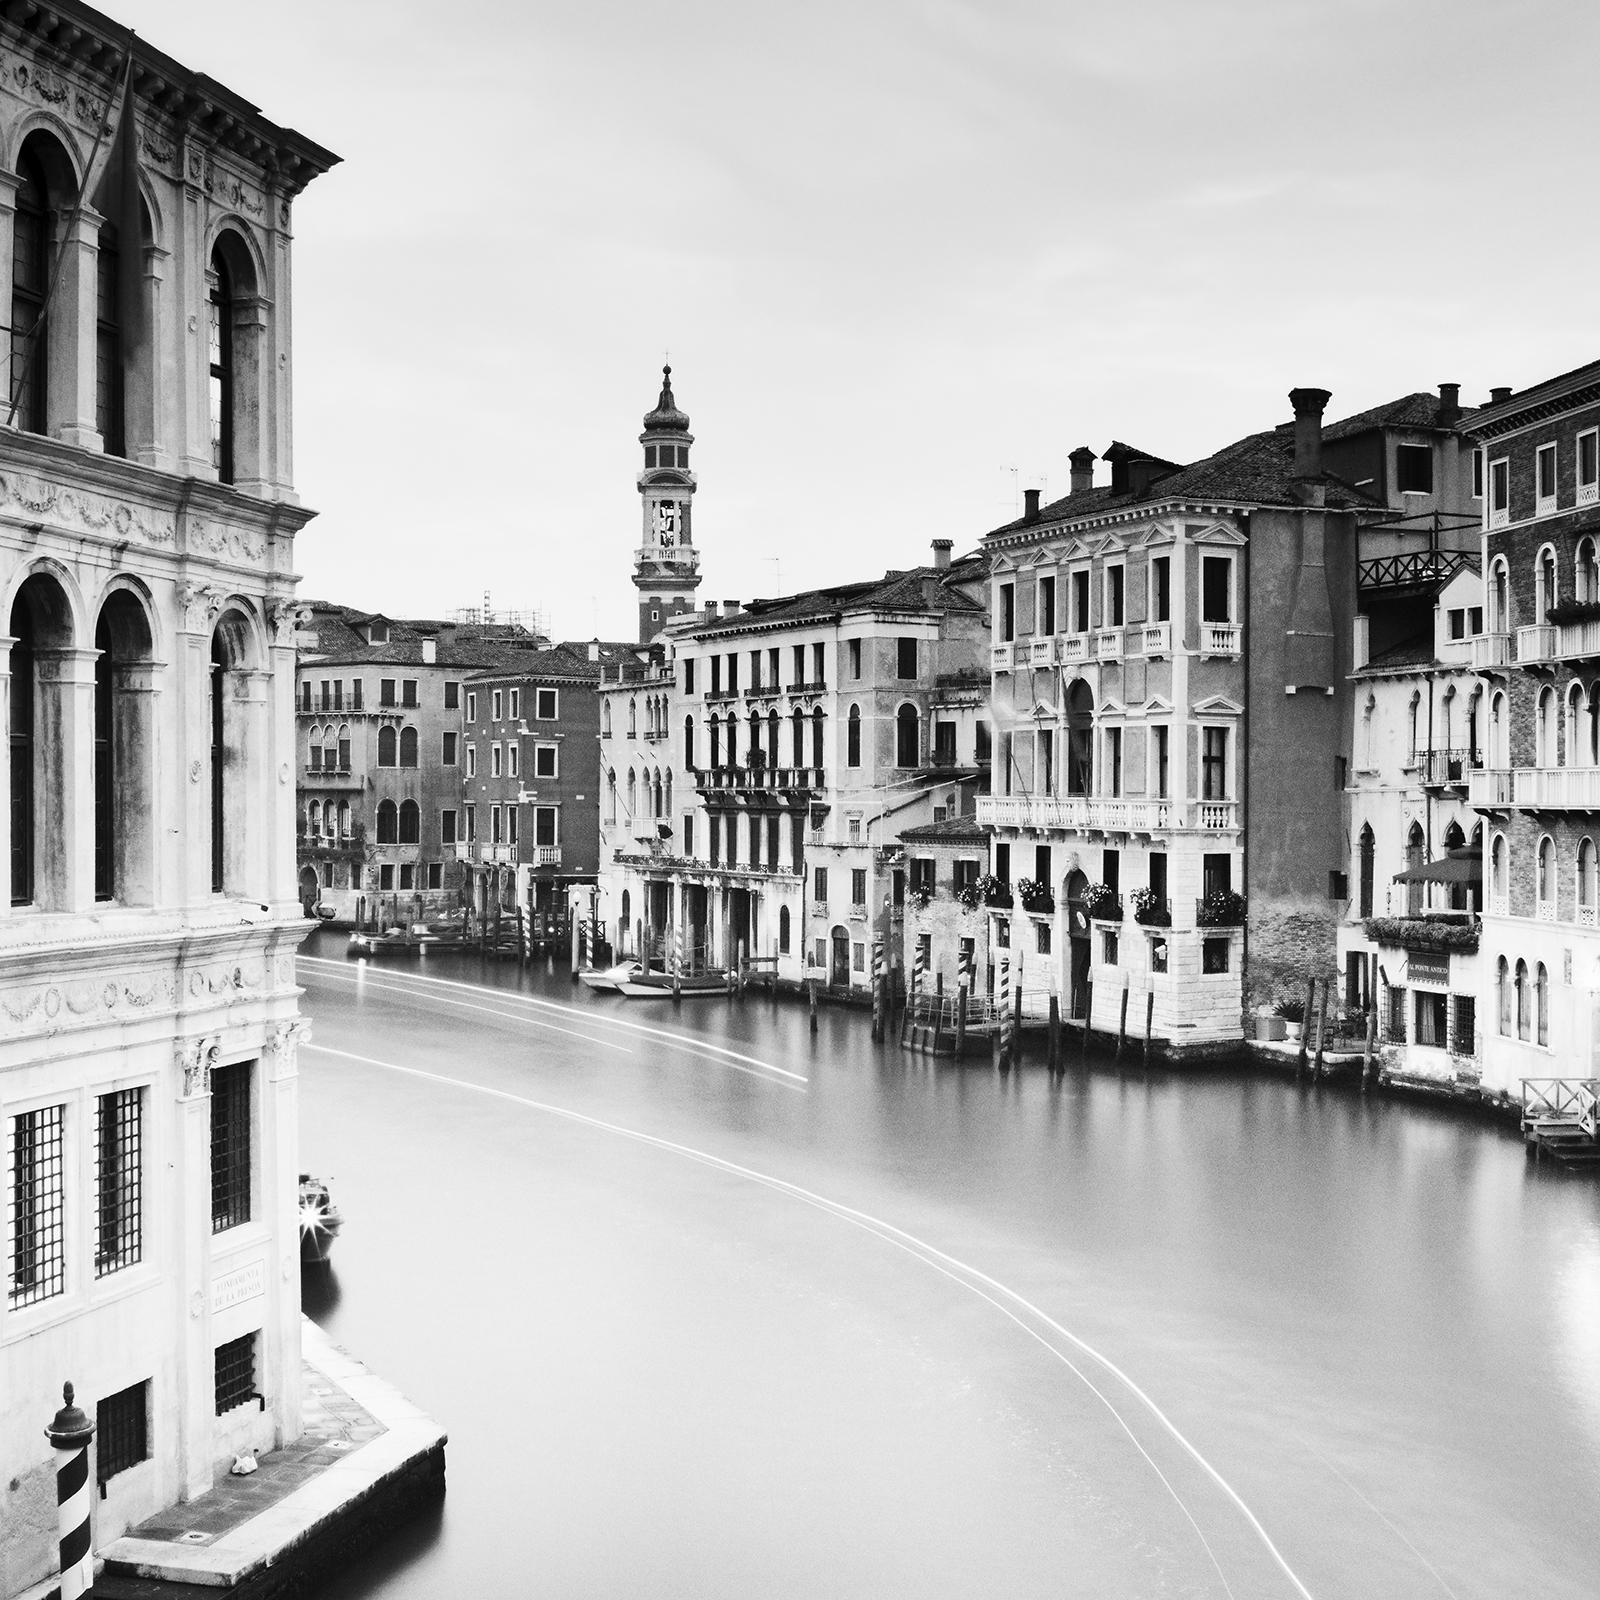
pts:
pixel 235 1373
pixel 119 1148
pixel 34 1208
pixel 1464 1024
pixel 230 1146
pixel 122 1431
pixel 1395 1032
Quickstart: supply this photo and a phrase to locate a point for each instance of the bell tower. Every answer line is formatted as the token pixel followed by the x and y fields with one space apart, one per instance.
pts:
pixel 666 566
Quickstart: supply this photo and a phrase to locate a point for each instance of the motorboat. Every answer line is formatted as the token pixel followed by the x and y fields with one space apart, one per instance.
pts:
pixel 660 986
pixel 614 977
pixel 320 1220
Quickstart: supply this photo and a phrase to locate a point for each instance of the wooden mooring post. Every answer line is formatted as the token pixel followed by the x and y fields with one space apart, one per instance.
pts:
pixel 1088 1017
pixel 1122 1022
pixel 1322 1024
pixel 1003 1016
pixel 1305 1024
pixel 811 991
pixel 961 1020
pixel 878 996
pixel 938 1010
pixel 575 927
pixel 1371 1045
pixel 1014 1054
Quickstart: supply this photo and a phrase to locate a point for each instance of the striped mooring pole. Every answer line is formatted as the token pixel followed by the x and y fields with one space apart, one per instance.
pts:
pixel 70 1433
pixel 877 988
pixel 677 962
pixel 1005 1011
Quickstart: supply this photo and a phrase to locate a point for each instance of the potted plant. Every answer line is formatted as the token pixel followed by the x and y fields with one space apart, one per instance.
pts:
pixel 971 894
pixel 1035 895
pixel 996 891
pixel 1102 902
pixel 1149 909
pixel 1293 1013
pixel 1222 908
pixel 919 894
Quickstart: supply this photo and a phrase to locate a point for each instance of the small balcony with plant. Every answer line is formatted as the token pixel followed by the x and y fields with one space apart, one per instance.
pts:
pixel 1440 933
pixel 995 892
pixel 1222 908
pixel 1151 910
pixel 1035 895
pixel 1102 903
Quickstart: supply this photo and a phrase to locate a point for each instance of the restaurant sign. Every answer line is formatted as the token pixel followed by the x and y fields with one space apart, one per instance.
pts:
pixel 1430 967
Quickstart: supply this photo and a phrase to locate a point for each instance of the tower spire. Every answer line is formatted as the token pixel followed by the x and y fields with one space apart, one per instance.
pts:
pixel 666 568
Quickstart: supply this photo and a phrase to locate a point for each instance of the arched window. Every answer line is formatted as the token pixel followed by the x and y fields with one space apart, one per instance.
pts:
pixel 314 818
pixel 1500 597
pixel 1545 730
pixel 1546 881
pixel 798 723
pixel 1570 752
pixel 906 736
pixel 627 920
pixel 410 823
pixel 1472 725
pixel 1541 1008
pixel 633 809
pixel 388 739
pixel 220 365
pixel 344 819
pixel 32 253
pixel 783 930
pixel 666 804
pixel 611 797
pixel 1455 839
pixel 1586 882
pixel 1368 850
pixel 123 753
pixel 1416 856
pixel 816 738
pixel 1586 583
pixel 755 756
pixel 1546 593
pixel 732 731
pixel 633 719
pixel 688 743
pixel 1497 868
pixel 408 747
pixel 773 755
pixel 605 719
pixel 1502 984
pixel 1523 999
pixel 344 746
pixel 388 823
pixel 1499 743
pixel 1415 726
pixel 714 752
pixel 1367 760
pixel 852 738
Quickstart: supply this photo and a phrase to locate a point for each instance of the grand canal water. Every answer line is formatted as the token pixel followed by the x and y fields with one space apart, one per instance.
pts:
pixel 712 1306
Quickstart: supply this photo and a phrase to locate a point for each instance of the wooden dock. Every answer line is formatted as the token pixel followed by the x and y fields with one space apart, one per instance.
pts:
pixel 1561 1119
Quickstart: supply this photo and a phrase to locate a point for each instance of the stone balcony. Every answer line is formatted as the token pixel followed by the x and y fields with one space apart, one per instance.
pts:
pixel 1099 814
pixel 1535 788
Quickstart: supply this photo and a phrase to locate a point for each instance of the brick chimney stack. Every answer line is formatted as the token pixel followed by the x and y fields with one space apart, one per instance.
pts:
pixel 941 554
pixel 1030 505
pixel 1083 460
pixel 1309 404
pixel 1449 404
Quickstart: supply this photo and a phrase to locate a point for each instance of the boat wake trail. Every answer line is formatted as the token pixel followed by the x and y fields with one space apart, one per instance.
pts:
pixel 1063 1345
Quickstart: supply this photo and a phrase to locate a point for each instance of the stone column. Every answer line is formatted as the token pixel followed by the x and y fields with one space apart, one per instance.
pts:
pixel 63 802
pixel 70 398
pixel 190 864
pixel 280 1200
pixel 149 428
pixel 6 642
pixel 252 411
pixel 283 620
pixel 140 801
pixel 249 789
pixel 191 1238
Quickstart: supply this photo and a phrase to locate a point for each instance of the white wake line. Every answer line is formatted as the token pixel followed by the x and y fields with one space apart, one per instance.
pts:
pixel 950 1266
pixel 362 982
pixel 593 1018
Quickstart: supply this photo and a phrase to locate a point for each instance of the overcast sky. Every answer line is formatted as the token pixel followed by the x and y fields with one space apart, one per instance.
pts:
pixel 895 249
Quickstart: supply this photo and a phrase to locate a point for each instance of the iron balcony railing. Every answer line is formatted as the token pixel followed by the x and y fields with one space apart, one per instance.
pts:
pixel 768 778
pixel 1409 571
pixel 1441 768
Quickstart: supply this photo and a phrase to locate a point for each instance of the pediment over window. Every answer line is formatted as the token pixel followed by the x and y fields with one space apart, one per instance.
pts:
pixel 1217 705
pixel 1156 706
pixel 1215 533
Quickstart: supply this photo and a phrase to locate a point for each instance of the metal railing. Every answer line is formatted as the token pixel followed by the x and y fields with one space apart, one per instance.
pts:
pixel 757 777
pixel 1404 571
pixel 1439 768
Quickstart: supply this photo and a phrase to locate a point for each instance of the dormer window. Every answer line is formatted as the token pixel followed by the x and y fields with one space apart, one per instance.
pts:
pixel 377 631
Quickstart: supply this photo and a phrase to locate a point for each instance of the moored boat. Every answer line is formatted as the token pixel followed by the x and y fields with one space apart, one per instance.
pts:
pixel 659 986
pixel 611 977
pixel 320 1219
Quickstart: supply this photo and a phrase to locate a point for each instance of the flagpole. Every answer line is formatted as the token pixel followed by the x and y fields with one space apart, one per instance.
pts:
pixel 31 349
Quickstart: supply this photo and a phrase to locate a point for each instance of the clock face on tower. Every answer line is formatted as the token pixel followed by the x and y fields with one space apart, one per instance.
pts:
pixel 666 522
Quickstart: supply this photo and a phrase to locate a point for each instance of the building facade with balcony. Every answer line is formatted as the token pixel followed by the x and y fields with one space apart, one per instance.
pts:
pixel 532 750
pixel 1411 947
pixel 384 816
pixel 1162 643
pixel 149 1020
pixel 797 738
pixel 946 904
pixel 1539 789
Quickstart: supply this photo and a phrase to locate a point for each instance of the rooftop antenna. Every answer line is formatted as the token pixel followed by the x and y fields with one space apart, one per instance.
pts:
pixel 777 580
pixel 1015 493
pixel 488 614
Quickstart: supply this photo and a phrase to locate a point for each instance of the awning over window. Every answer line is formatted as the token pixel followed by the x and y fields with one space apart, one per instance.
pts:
pixel 1455 866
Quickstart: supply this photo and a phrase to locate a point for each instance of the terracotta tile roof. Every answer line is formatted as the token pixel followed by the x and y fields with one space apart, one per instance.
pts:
pixel 954 830
pixel 1419 410
pixel 916 589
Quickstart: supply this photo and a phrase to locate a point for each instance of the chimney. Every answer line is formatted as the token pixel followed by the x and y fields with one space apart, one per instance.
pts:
pixel 594 650
pixel 1143 471
pixel 1449 404
pixel 1309 405
pixel 730 608
pixel 941 547
pixel 1082 459
pixel 1497 395
pixel 1030 505
pixel 430 652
